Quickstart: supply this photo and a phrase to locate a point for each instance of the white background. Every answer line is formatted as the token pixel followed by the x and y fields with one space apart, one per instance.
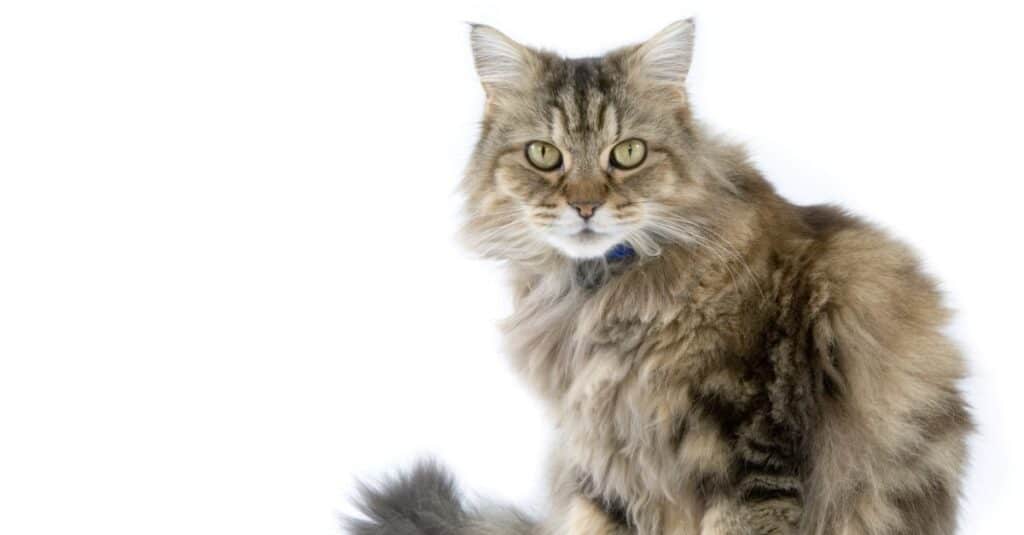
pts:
pixel 228 279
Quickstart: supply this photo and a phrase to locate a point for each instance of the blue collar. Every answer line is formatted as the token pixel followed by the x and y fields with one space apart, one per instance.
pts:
pixel 622 251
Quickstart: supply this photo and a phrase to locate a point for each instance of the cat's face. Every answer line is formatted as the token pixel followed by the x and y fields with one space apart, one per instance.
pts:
pixel 579 155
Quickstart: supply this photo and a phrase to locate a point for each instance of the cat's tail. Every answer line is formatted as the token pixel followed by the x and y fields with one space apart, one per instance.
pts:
pixel 425 501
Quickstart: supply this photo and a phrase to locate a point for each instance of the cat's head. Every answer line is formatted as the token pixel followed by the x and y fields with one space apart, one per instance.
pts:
pixel 577 156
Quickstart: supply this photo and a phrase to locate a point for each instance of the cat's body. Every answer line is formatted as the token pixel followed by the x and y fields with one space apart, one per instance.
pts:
pixel 754 368
pixel 800 377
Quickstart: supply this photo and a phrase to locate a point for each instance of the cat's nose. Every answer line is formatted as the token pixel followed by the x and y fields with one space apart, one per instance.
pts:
pixel 586 209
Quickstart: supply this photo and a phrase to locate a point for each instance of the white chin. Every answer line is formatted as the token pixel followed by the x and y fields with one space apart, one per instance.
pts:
pixel 583 246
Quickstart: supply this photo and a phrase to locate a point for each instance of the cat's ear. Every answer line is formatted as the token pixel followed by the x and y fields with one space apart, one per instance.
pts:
pixel 500 62
pixel 665 58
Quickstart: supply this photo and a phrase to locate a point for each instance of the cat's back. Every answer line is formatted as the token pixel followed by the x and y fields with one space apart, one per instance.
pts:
pixel 894 420
pixel 857 268
pixel 877 317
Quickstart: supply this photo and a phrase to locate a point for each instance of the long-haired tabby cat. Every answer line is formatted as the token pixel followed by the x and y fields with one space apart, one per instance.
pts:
pixel 718 361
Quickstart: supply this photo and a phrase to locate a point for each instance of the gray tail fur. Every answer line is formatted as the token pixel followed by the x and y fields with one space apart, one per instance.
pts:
pixel 425 501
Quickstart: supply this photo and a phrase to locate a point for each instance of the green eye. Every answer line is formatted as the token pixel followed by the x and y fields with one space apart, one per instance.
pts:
pixel 543 156
pixel 629 154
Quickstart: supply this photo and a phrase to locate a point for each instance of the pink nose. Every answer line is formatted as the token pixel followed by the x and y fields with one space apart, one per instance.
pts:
pixel 586 209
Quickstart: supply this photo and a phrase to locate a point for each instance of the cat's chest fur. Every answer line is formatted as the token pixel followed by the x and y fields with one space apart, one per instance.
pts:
pixel 619 365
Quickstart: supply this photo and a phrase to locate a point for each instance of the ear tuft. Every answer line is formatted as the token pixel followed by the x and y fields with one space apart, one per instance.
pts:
pixel 665 58
pixel 499 60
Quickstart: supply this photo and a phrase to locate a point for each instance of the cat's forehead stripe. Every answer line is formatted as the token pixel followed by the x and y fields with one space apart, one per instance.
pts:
pixel 558 121
pixel 580 102
pixel 567 100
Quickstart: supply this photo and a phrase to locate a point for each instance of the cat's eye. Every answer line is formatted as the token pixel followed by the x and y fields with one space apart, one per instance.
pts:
pixel 629 154
pixel 543 156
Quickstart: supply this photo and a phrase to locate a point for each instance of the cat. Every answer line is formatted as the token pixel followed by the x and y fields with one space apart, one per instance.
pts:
pixel 718 360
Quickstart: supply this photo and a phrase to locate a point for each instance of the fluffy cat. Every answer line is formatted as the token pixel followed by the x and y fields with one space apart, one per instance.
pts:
pixel 718 361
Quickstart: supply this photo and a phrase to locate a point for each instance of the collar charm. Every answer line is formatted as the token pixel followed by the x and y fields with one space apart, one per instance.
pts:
pixel 622 251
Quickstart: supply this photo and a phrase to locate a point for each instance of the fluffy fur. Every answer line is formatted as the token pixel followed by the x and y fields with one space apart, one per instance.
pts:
pixel 757 368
